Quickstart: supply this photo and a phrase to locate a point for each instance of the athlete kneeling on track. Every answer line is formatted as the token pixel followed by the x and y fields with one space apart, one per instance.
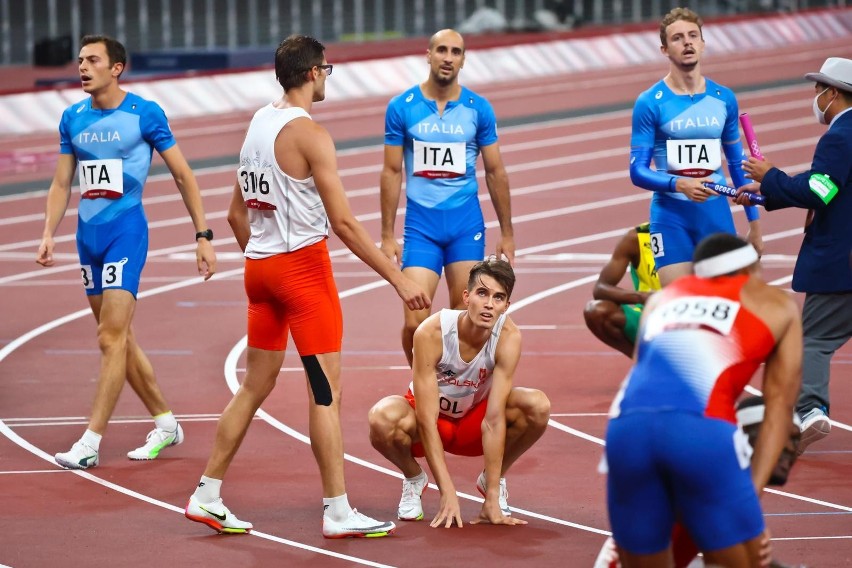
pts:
pixel 613 315
pixel 462 401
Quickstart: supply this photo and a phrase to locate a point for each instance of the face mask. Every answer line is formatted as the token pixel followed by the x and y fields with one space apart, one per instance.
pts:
pixel 820 114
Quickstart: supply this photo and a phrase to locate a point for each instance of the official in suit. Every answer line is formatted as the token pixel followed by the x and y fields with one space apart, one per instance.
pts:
pixel 824 266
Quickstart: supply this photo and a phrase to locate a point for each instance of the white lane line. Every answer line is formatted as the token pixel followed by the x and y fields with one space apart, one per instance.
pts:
pixel 233 384
pixel 14 437
pixel 839 537
pixel 33 471
pixel 230 367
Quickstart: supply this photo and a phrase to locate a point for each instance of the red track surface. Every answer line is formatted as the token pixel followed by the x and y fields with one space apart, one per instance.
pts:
pixel 571 200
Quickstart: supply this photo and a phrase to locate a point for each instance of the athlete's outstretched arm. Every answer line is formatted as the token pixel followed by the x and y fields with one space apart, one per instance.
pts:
pixel 782 379
pixel 506 358
pixel 734 157
pixel 188 187
pixel 497 181
pixel 428 349
pixel 318 150
pixel 57 202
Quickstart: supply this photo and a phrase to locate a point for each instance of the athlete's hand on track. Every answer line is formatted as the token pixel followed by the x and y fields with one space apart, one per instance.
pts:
pixel 491 514
pixel 205 257
pixel 45 252
pixel 392 250
pixel 694 188
pixel 449 512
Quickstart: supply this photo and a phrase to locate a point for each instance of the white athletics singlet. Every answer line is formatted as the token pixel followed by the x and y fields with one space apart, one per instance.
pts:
pixel 463 385
pixel 285 214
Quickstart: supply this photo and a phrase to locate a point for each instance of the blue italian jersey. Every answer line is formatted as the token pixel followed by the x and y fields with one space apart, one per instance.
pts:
pixel 440 150
pixel 113 148
pixel 687 132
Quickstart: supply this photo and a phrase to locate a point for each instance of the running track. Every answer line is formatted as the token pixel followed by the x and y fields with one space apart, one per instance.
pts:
pixel 565 142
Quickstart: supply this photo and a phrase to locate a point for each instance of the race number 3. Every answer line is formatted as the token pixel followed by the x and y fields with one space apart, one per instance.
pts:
pixel 255 183
pixel 112 274
pixel 86 274
pixel 657 246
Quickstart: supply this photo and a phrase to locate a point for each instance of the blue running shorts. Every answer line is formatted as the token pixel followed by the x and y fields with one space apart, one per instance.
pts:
pixel 113 254
pixel 666 466
pixel 677 226
pixel 434 238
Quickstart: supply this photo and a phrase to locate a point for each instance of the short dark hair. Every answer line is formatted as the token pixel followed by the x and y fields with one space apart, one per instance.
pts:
pixel 496 268
pixel 114 48
pixel 675 15
pixel 294 57
pixel 716 244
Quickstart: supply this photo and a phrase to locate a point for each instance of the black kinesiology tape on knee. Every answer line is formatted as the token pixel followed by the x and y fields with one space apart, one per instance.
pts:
pixel 318 380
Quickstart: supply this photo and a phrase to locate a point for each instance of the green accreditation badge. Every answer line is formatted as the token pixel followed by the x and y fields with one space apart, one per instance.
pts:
pixel 822 185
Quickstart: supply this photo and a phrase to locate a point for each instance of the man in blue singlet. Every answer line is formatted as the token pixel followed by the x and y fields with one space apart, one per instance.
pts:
pixel 109 139
pixel 438 128
pixel 684 123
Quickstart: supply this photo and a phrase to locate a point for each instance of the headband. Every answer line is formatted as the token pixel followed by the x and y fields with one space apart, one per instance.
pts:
pixel 727 262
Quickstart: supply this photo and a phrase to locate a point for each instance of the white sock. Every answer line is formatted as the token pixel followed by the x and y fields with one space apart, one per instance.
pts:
pixel 336 508
pixel 91 439
pixel 166 421
pixel 208 489
pixel 419 477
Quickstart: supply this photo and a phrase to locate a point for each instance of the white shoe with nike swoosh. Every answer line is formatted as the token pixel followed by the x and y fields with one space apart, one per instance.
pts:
pixel 356 525
pixel 216 516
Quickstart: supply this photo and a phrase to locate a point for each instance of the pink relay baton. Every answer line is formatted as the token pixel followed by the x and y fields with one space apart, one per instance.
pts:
pixel 750 137
pixel 753 198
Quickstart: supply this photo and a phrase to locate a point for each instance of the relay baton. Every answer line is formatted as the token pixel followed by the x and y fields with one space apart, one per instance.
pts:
pixel 751 139
pixel 753 198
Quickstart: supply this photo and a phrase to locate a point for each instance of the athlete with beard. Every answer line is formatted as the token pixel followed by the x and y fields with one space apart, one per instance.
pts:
pixel 462 401
pixel 684 123
pixel 437 129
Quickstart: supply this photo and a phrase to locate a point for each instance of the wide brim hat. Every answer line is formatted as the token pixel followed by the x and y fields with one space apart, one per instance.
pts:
pixel 836 72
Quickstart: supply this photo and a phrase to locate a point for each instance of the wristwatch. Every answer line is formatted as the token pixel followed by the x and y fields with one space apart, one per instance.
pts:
pixel 208 234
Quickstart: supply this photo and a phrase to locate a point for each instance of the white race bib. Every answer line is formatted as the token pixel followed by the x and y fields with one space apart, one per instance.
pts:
pixel 455 407
pixel 438 160
pixel 658 247
pixel 694 158
pixel 256 184
pixel 101 178
pixel 693 312
pixel 86 273
pixel 113 274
